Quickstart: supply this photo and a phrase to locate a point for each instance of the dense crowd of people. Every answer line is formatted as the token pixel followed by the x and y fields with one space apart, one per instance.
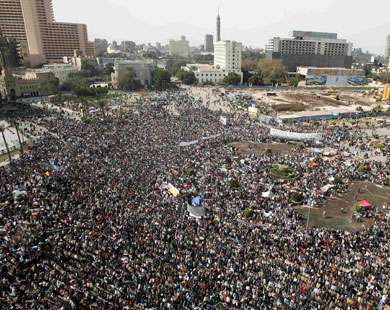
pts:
pixel 87 221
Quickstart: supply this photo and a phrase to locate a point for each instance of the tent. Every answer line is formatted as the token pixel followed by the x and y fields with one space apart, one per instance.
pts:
pixel 172 189
pixel 196 212
pixel 365 204
pixel 313 164
pixel 196 201
pixel 266 194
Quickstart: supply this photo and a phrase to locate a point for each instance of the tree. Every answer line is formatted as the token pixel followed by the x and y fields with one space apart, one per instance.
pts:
pixel 49 87
pixel 2 129
pixel 249 64
pixel 126 81
pixel 161 79
pixel 82 91
pixel 108 69
pixel 383 77
pixel 173 66
pixel 101 91
pixel 187 77
pixel 367 70
pixel 9 54
pixel 89 67
pixel 256 79
pixel 15 124
pixel 203 59
pixel 273 71
pixel 232 79
pixel 293 81
pixel 74 81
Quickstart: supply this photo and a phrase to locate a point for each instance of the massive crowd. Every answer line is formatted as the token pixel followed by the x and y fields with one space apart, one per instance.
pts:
pixel 87 222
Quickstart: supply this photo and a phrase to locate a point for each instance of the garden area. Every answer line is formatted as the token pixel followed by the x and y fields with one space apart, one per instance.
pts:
pixel 341 209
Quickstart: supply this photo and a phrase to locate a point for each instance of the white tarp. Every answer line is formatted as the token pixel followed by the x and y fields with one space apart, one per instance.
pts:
pixel 196 212
pixel 252 110
pixel 326 188
pixel 223 120
pixel 171 189
pixel 188 143
pixel 211 137
pixel 296 136
pixel 266 194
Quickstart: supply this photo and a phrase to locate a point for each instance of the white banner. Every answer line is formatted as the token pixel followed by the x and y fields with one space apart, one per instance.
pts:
pixel 289 135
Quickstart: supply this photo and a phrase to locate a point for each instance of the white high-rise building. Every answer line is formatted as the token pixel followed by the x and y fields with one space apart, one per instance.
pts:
pixel 179 48
pixel 227 56
pixel 227 59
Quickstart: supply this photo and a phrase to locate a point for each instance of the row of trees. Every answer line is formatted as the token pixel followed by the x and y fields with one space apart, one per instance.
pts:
pixel 2 130
pixel 269 71
pixel 161 80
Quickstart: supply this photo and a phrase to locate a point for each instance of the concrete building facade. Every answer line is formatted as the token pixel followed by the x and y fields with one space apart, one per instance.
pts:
pixel 227 56
pixel 179 47
pixel 309 48
pixel 209 43
pixel 26 83
pixel 32 22
pixel 387 48
pixel 206 73
pixel 60 71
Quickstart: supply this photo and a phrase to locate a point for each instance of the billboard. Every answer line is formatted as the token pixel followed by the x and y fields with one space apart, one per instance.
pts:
pixel 335 80
pixel 316 80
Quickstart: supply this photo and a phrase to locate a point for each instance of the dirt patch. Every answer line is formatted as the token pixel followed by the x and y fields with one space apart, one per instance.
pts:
pixel 261 148
pixel 292 107
pixel 335 219
pixel 313 99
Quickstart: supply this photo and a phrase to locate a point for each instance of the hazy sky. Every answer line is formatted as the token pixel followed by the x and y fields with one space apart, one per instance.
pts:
pixel 253 22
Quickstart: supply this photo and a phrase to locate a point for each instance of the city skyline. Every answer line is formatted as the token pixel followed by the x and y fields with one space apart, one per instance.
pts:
pixel 252 26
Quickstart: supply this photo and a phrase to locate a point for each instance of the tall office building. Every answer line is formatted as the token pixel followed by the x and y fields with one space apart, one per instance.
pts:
pixel 218 38
pixel 179 48
pixel 227 56
pixel 387 48
pixel 209 43
pixel 32 23
pixel 309 48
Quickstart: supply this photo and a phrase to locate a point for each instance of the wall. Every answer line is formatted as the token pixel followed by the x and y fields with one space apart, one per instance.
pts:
pixel 294 61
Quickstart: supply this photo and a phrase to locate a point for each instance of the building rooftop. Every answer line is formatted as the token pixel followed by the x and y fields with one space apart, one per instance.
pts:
pixel 314 34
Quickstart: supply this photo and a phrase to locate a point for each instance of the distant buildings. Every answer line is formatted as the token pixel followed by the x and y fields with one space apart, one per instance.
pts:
pixel 127 46
pixel 387 48
pixel 100 47
pixel 209 43
pixel 339 77
pixel 25 83
pixel 309 48
pixel 60 71
pixel 179 48
pixel 113 48
pixel 32 23
pixel 360 58
pixel 142 71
